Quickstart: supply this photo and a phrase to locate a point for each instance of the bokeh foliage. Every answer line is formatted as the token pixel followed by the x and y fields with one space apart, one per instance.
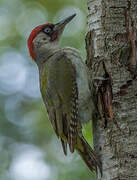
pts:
pixel 29 149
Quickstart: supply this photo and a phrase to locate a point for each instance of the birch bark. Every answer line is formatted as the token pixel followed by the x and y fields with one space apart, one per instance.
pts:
pixel 112 39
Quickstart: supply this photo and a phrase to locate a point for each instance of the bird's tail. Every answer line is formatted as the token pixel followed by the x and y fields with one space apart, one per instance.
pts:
pixel 88 155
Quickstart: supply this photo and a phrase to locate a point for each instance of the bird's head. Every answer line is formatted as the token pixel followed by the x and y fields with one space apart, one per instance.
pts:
pixel 46 35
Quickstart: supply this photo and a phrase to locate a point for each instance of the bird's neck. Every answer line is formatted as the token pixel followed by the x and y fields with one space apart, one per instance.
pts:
pixel 43 52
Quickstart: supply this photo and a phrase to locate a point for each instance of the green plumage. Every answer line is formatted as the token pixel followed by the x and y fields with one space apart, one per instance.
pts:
pixel 65 88
pixel 57 83
pixel 60 94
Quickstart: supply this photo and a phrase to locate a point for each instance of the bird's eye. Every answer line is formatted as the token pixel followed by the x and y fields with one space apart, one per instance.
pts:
pixel 47 30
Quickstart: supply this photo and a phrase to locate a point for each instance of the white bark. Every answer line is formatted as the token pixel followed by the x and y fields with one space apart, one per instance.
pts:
pixel 106 21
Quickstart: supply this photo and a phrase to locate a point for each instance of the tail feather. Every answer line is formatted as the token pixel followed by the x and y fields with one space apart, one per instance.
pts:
pixel 88 155
pixel 64 146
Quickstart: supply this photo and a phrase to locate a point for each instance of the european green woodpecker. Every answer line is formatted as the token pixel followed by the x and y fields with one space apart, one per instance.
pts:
pixel 65 88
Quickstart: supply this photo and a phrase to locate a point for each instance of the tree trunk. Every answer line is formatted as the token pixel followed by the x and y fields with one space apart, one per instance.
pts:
pixel 111 44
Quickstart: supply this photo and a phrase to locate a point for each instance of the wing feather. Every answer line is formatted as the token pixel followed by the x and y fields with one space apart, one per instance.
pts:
pixel 61 98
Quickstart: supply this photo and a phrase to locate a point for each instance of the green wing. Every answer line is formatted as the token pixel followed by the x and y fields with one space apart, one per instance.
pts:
pixel 60 95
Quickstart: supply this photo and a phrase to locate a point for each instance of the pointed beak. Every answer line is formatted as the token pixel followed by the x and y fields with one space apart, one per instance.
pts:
pixel 61 25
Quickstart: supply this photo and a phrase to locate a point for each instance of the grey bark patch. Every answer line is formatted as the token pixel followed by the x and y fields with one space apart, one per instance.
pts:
pixel 117 151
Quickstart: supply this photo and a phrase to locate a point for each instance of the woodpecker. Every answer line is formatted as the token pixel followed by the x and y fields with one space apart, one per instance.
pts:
pixel 65 88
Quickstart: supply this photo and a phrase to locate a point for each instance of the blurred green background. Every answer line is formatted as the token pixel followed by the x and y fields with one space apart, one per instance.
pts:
pixel 29 149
